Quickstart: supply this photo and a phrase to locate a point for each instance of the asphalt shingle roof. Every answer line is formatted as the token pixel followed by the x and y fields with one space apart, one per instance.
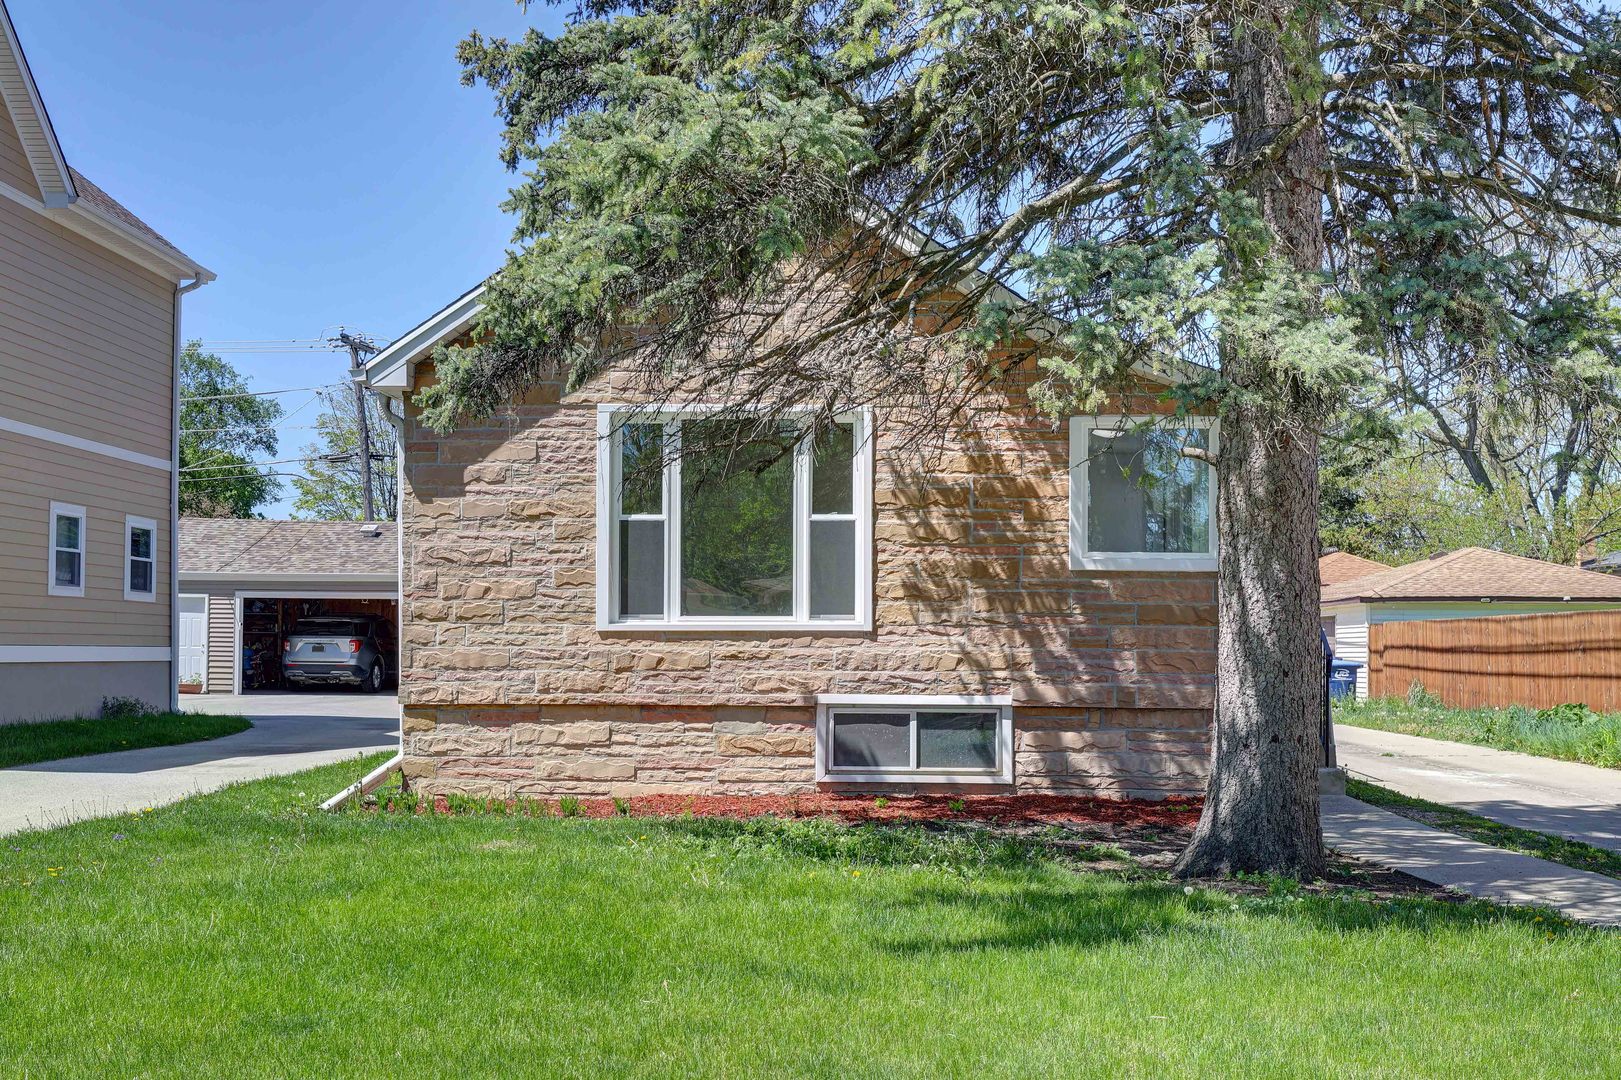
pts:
pixel 91 193
pixel 249 547
pixel 1476 574
pixel 1338 566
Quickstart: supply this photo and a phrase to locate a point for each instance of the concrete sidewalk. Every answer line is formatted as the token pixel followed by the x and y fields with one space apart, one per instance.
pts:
pixel 1443 858
pixel 289 733
pixel 1563 798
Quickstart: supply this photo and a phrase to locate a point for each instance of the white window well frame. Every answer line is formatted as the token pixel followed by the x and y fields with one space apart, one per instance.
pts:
pixel 61 510
pixel 610 421
pixel 131 523
pixel 903 704
pixel 1080 557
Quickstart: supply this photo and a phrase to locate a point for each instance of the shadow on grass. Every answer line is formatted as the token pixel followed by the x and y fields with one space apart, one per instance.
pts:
pixel 1018 894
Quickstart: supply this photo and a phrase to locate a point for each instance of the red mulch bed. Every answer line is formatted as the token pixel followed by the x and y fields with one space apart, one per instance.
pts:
pixel 1002 809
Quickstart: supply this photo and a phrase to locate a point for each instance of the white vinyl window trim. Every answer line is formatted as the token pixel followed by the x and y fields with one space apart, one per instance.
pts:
pixel 60 511
pixel 1080 508
pixel 132 525
pixel 610 421
pixel 829 706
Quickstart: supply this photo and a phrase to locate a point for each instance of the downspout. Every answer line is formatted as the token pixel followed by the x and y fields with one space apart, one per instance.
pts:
pixel 203 278
pixel 374 778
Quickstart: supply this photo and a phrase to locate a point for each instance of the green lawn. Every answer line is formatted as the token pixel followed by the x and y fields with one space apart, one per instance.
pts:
pixel 245 934
pixel 1568 732
pixel 1557 849
pixel 49 740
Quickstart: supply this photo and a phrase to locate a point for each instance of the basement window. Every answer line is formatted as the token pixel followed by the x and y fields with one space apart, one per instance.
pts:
pixel 918 739
pixel 762 532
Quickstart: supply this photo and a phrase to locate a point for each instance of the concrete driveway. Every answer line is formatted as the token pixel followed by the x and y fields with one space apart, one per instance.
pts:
pixel 1564 798
pixel 290 732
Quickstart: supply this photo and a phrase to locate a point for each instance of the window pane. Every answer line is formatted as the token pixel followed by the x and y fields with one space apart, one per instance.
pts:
pixel 872 740
pixel 67 532
pixel 140 576
pixel 956 740
pixel 140 543
pixel 67 568
pixel 833 471
pixel 641 469
pixel 641 568
pixel 1145 495
pixel 737 535
pixel 833 568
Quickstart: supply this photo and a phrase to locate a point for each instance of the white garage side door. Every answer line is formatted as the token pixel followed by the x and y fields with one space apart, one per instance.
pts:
pixel 193 638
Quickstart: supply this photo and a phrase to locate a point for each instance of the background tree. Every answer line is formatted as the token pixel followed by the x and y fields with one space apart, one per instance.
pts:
pixel 1171 182
pixel 221 430
pixel 331 487
pixel 1496 419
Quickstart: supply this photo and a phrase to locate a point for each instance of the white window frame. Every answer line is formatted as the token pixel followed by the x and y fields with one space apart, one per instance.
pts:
pixel 612 418
pixel 59 509
pixel 131 523
pixel 1080 557
pixel 900 704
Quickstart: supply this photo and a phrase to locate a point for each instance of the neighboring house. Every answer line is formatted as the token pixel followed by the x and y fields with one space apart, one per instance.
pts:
pixel 243 583
pixel 1464 584
pixel 89 342
pixel 1019 616
pixel 1336 568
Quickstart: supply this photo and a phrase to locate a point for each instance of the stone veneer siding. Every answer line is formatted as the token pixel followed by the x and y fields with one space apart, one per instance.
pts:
pixel 509 689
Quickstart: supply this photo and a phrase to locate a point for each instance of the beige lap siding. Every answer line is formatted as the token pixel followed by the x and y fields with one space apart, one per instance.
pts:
pixel 14 168
pixel 36 473
pixel 509 687
pixel 87 347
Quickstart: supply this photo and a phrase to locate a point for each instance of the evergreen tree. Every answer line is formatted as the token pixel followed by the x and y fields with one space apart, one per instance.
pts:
pixel 1175 184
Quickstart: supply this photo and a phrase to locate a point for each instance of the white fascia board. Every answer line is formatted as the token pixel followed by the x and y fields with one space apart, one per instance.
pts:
pixel 390 369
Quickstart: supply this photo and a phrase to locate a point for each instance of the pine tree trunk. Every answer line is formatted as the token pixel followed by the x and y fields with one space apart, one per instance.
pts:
pixel 1261 809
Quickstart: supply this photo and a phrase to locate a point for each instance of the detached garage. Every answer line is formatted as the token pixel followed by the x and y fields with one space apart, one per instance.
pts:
pixel 245 584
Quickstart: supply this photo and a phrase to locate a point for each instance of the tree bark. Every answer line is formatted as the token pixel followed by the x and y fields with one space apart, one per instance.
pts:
pixel 1261 811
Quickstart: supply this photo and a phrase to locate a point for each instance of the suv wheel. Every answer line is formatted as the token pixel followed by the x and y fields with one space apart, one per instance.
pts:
pixel 374 678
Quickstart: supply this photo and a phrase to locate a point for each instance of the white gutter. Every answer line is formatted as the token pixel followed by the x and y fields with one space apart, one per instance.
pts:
pixel 371 780
pixel 365 784
pixel 202 278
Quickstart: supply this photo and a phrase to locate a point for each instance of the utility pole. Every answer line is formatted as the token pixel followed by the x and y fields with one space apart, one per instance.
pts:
pixel 356 344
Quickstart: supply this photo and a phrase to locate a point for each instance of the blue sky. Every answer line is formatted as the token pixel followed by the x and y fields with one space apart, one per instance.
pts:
pixel 322 158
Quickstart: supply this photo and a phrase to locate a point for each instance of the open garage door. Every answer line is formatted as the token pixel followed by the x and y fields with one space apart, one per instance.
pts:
pixel 264 623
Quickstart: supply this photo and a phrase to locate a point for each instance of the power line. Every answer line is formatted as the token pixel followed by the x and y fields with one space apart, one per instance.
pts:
pixel 262 393
pixel 239 476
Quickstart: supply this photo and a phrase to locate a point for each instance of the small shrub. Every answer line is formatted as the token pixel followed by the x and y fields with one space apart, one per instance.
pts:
pixel 621 806
pixel 956 806
pixel 1571 712
pixel 880 802
pixel 125 708
pixel 1420 698
pixel 568 806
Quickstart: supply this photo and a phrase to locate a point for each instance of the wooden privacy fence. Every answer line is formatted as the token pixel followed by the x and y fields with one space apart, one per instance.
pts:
pixel 1531 660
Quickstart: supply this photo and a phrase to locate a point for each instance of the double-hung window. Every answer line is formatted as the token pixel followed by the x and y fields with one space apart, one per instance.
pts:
pixel 1137 500
pixel 737 530
pixel 65 565
pixel 923 739
pixel 140 560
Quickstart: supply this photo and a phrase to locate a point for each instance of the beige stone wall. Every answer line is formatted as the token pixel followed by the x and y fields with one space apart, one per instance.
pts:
pixel 509 687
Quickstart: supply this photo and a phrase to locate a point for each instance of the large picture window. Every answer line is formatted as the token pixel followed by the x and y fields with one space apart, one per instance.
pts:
pixel 1137 501
pixel 916 739
pixel 756 531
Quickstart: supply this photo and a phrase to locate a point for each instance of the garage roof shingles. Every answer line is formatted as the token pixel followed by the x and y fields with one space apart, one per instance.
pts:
pixel 254 547
pixel 1477 574
pixel 1341 566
